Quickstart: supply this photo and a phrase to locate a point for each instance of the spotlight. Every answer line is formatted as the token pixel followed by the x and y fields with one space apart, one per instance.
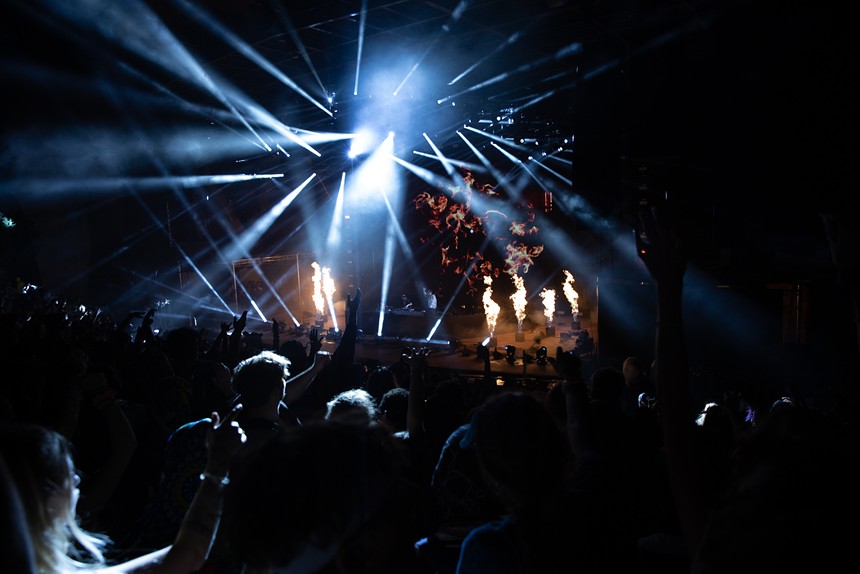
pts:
pixel 541 356
pixel 511 353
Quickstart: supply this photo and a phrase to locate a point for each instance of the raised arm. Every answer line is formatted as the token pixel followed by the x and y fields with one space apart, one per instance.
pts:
pixel 417 361
pixel 298 384
pixel 659 249
pixel 224 439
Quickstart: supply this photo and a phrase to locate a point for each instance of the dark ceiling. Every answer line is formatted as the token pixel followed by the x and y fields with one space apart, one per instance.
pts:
pixel 740 109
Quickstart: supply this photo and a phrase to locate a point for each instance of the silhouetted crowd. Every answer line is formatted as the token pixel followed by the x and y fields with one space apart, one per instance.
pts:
pixel 188 451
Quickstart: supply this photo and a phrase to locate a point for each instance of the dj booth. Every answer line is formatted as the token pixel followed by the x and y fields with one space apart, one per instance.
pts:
pixel 404 323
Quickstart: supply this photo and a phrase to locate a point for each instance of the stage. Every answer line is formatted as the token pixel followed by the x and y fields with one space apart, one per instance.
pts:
pixel 455 348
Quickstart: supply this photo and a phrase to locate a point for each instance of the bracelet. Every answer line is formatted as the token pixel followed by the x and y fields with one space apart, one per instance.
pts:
pixel 218 480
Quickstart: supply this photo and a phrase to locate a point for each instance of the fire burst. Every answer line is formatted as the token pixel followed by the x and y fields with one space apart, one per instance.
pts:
pixel 491 308
pixel 319 301
pixel 571 295
pixel 548 297
pixel 519 299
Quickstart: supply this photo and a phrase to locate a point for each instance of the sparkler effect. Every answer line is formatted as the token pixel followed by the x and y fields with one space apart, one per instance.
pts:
pixel 519 299
pixel 491 308
pixel 461 234
pixel 328 290
pixel 571 295
pixel 548 297
pixel 319 301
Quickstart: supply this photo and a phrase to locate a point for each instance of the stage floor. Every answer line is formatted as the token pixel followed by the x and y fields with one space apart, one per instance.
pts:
pixel 460 354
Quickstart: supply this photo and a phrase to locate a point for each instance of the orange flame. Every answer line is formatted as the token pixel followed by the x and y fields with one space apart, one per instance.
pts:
pixel 548 297
pixel 571 295
pixel 491 308
pixel 319 302
pixel 519 299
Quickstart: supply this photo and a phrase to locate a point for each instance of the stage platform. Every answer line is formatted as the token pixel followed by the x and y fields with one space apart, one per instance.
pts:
pixel 459 353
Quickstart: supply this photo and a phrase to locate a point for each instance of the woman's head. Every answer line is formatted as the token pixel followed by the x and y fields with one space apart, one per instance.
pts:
pixel 42 466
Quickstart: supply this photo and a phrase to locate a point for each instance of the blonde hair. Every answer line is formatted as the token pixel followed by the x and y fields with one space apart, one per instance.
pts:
pixel 40 462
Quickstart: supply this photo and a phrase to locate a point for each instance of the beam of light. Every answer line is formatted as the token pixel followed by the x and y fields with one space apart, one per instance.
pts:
pixel 362 25
pixel 433 329
pixel 361 143
pixel 250 237
pixel 519 300
pixel 242 47
pixel 328 290
pixel 570 294
pixel 333 240
pixel 497 175
pixel 202 277
pixel 240 246
pixel 459 163
pixel 491 308
pixel 223 118
pixel 566 180
pixel 499 139
pixel 60 187
pixel 68 281
pixel 506 153
pixel 181 251
pixel 548 298
pixel 387 266
pixel 291 30
pixel 555 157
pixel 446 27
pixel 396 229
pixel 430 177
pixel 265 118
pixel 136 28
pixel 258 310
pixel 511 40
pixel 177 292
pixel 560 54
pixel 449 169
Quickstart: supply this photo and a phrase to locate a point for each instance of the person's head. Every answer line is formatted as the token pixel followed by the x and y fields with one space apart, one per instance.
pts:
pixel 354 405
pixel 519 447
pixel 322 492
pixel 393 407
pixel 261 379
pixel 379 381
pixel 295 352
pixel 42 468
pixel 633 369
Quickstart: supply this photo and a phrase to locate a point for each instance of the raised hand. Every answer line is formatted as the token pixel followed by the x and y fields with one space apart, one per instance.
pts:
pixel 352 304
pixel 567 364
pixel 315 341
pixel 239 324
pixel 416 358
pixel 224 439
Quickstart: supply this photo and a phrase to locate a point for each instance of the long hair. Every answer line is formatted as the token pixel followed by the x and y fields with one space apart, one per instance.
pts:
pixel 40 462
